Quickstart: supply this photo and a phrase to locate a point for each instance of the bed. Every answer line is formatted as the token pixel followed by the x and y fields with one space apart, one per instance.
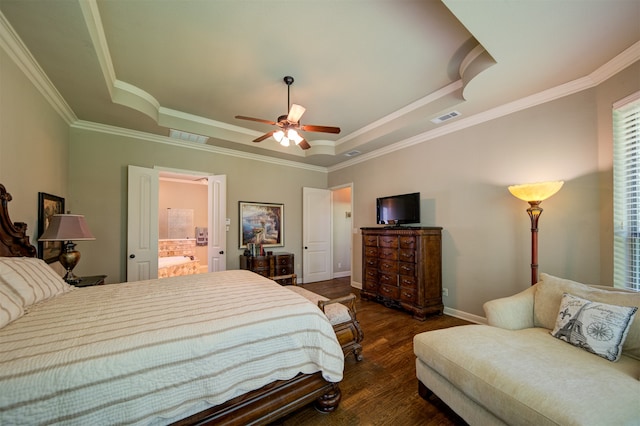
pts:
pixel 229 347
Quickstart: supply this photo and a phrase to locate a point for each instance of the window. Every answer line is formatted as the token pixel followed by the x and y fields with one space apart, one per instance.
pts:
pixel 626 192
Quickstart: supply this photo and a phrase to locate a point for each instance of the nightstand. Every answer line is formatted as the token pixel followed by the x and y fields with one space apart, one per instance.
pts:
pixel 89 281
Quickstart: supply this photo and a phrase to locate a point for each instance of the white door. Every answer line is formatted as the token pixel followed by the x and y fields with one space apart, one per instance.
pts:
pixel 217 223
pixel 142 224
pixel 316 235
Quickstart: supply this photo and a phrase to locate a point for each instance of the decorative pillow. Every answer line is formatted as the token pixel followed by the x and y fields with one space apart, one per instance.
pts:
pixel 30 280
pixel 549 293
pixel 596 327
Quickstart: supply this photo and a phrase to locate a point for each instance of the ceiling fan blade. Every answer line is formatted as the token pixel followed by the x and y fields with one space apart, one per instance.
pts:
pixel 304 144
pixel 295 113
pixel 265 136
pixel 259 120
pixel 321 129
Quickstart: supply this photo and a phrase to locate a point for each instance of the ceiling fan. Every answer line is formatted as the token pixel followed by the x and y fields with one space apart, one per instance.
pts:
pixel 289 124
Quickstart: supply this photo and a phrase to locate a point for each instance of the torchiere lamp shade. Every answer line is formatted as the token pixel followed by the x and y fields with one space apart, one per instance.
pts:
pixel 535 191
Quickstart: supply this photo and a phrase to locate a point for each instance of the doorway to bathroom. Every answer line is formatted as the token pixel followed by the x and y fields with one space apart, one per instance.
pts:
pixel 147 221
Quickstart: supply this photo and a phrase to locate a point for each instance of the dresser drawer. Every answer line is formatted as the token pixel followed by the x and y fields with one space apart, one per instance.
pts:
pixel 370 274
pixel 370 240
pixel 283 259
pixel 405 268
pixel 259 262
pixel 388 279
pixel 388 253
pixel 371 286
pixel 407 281
pixel 388 266
pixel 371 251
pixel 407 242
pixel 387 241
pixel 392 292
pixel 407 255
pixel 408 295
pixel 370 262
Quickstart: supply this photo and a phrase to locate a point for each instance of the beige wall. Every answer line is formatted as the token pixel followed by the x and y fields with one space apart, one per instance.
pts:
pixel 463 179
pixel 33 146
pixel 98 181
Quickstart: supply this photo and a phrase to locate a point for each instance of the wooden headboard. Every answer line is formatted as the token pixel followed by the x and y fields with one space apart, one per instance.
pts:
pixel 14 241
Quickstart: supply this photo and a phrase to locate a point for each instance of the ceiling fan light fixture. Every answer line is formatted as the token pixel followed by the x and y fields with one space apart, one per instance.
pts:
pixel 294 136
pixel 285 141
pixel 278 135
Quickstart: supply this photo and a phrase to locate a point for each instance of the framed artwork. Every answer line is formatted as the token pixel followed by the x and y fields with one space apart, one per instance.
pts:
pixel 48 205
pixel 261 223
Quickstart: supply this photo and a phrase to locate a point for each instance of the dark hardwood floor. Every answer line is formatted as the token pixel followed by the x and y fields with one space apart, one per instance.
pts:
pixel 382 389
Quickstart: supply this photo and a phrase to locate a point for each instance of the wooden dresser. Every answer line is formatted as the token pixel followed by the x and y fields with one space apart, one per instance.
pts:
pixel 269 266
pixel 402 267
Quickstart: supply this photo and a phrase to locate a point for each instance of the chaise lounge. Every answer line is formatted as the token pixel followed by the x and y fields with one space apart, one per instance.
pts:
pixel 514 371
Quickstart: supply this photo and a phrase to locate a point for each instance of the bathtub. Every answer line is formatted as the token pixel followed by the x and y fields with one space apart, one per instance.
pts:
pixel 174 266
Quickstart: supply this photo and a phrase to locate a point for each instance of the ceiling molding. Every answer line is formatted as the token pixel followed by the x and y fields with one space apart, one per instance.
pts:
pixel 606 71
pixel 93 22
pixel 20 55
pixel 166 140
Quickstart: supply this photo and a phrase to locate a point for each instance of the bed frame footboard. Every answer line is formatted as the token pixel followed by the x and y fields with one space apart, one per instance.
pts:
pixel 271 402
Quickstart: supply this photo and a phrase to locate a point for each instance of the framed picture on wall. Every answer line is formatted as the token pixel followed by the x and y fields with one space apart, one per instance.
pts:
pixel 48 205
pixel 261 223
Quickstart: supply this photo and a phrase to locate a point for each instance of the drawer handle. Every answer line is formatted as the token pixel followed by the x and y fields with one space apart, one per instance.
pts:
pixel 408 295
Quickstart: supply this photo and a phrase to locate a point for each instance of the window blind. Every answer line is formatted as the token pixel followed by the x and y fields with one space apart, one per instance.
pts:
pixel 626 192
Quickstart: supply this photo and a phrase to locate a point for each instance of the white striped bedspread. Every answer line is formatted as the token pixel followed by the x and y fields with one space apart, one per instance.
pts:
pixel 150 352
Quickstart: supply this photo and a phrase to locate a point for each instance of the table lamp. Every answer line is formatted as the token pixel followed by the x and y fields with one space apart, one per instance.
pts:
pixel 65 228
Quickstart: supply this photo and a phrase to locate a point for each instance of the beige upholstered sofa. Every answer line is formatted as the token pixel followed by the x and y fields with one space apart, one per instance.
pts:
pixel 514 371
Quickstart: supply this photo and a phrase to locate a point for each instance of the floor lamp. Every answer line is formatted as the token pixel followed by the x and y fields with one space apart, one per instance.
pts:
pixel 534 194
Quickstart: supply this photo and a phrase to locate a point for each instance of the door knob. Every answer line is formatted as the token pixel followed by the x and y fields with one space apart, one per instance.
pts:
pixel 132 256
pixel 221 252
pixel 305 247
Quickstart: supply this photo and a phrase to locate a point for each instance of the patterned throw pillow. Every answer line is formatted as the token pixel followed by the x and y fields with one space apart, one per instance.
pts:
pixel 596 327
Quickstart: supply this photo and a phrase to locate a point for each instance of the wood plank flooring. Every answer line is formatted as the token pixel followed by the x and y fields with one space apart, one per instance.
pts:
pixel 382 389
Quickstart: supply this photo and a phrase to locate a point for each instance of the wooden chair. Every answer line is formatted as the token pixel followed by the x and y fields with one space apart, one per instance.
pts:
pixel 340 311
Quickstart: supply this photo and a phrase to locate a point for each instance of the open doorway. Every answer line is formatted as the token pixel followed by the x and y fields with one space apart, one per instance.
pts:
pixel 143 220
pixel 183 212
pixel 341 208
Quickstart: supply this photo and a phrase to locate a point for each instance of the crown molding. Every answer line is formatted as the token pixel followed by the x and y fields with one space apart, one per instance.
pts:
pixel 606 71
pixel 135 134
pixel 20 55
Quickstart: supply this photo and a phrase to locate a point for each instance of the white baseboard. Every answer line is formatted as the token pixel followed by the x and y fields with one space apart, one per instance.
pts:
pixel 464 315
pixel 342 274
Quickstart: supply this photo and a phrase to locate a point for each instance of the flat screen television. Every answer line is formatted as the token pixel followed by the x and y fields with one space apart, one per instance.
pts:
pixel 398 209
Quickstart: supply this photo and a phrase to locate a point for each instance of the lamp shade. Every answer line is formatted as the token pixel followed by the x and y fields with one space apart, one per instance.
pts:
pixel 535 191
pixel 67 227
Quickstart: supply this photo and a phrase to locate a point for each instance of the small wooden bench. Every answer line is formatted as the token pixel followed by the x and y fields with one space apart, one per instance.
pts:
pixel 341 313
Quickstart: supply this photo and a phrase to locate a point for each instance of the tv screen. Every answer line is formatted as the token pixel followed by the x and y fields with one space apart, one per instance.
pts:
pixel 398 209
